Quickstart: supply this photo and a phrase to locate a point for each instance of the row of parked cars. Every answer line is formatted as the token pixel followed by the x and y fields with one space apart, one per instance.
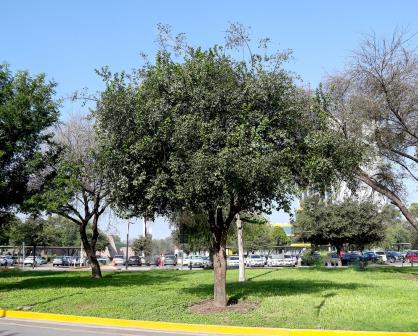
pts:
pixel 372 256
pixel 256 260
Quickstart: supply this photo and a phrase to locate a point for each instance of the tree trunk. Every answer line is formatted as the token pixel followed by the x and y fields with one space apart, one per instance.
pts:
pixel 219 271
pixel 380 188
pixel 219 230
pixel 338 247
pixel 241 275
pixel 90 251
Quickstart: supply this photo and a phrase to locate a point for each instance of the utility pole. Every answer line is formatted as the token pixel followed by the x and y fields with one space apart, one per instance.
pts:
pixel 241 276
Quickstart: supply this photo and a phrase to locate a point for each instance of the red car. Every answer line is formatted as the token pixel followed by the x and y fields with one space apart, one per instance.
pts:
pixel 412 256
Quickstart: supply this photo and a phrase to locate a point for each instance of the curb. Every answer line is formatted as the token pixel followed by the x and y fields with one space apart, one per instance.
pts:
pixel 190 328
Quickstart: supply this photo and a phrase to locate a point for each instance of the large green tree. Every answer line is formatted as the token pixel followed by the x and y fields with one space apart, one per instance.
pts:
pixel 27 111
pixel 212 135
pixel 348 222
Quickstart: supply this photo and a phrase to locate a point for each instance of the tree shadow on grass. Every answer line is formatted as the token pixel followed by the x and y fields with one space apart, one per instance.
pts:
pixel 44 280
pixel 275 287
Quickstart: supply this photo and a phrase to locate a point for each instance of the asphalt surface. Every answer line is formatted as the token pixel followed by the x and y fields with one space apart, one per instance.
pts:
pixel 18 327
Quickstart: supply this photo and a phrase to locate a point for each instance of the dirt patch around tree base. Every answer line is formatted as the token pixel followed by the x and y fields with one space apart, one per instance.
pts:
pixel 238 306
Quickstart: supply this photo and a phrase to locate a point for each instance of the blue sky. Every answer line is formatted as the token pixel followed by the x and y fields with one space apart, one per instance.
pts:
pixel 69 39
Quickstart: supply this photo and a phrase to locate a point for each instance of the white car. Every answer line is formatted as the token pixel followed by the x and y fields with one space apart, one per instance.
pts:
pixel 255 260
pixel 196 261
pixel 232 261
pixel 119 260
pixel 186 261
pixel 6 261
pixel 29 261
pixel 275 260
pixel 381 255
pixel 289 260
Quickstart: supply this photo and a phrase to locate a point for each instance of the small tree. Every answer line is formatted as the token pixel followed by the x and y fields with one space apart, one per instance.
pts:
pixel 279 237
pixel 349 222
pixel 143 245
pixel 77 191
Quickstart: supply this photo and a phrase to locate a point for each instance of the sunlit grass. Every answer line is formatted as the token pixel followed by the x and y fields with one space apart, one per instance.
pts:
pixel 375 299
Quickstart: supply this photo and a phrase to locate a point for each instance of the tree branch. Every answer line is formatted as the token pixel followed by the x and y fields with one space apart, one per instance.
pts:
pixel 364 177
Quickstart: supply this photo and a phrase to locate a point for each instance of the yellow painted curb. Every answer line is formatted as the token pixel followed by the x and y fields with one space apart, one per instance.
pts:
pixel 183 327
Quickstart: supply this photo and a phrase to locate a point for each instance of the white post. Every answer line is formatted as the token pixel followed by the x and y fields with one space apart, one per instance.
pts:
pixel 241 276
pixel 23 255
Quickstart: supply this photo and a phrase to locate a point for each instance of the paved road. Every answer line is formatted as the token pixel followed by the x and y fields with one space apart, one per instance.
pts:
pixel 17 327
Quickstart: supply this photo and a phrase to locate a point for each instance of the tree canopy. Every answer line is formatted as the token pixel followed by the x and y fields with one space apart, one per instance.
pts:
pixel 27 111
pixel 347 222
pixel 213 135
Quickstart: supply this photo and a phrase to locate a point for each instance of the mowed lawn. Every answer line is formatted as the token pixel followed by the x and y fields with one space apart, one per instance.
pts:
pixel 376 299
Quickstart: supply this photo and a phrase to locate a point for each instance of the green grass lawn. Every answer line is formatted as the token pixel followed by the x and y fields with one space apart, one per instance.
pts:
pixel 375 299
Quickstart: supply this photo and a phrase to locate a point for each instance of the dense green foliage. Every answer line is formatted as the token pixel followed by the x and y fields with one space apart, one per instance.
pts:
pixel 52 231
pixel 214 136
pixel 27 111
pixel 375 299
pixel 348 222
pixel 143 245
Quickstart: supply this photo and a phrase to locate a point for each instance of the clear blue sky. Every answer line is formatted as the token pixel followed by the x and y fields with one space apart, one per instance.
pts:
pixel 69 39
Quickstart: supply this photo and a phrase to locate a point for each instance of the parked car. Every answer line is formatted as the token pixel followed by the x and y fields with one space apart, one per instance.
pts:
pixel 350 258
pixel 255 260
pixel 186 260
pixel 119 260
pixel 274 260
pixel 332 259
pixel 134 261
pixel 381 255
pixel 207 263
pixel 196 261
pixel 30 261
pixel 6 260
pixel 289 260
pixel 232 261
pixel 393 256
pixel 412 256
pixel 60 261
pixel 370 256
pixel 170 259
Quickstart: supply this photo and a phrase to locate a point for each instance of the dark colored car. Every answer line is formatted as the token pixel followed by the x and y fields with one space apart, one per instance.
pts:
pixel 370 256
pixel 412 256
pixel 134 261
pixel 351 258
pixel 393 256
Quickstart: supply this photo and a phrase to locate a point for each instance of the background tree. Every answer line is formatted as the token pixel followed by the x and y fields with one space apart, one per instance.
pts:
pixel 27 111
pixel 212 135
pixel 375 99
pixel 78 190
pixel 348 222
pixel 191 231
pixel 279 237
pixel 143 246
pixel 31 232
